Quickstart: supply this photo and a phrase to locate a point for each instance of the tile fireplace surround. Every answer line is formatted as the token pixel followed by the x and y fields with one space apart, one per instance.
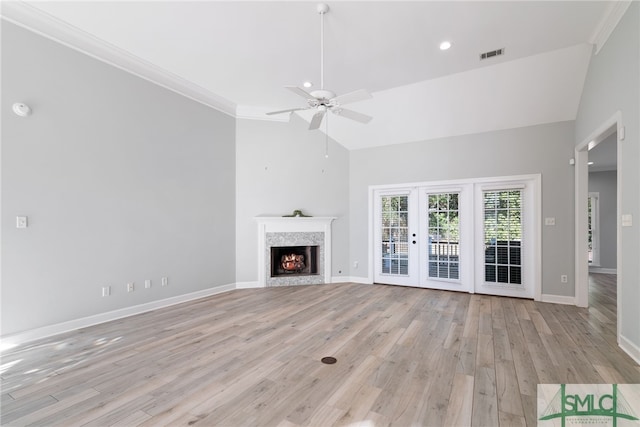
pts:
pixel 293 231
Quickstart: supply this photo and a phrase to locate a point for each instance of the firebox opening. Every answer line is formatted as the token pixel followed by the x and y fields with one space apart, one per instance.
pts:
pixel 294 261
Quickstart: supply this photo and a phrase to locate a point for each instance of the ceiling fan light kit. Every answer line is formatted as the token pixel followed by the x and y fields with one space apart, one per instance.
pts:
pixel 323 100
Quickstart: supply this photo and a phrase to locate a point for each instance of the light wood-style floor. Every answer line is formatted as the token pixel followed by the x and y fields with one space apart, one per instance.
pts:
pixel 252 357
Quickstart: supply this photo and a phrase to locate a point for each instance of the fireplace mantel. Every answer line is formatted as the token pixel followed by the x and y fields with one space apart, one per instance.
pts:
pixel 279 224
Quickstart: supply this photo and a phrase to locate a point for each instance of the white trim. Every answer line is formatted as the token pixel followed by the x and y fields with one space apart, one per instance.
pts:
pixel 558 299
pixel 247 285
pixel 602 270
pixel 630 348
pixel 616 11
pixel 11 340
pixel 370 233
pixel 452 182
pixel 351 279
pixel 39 22
pixel 581 172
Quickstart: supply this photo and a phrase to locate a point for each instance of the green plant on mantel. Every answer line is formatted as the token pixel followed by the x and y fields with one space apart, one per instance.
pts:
pixel 297 213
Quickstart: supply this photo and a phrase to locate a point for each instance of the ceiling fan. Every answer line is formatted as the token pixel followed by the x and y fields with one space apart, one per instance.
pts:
pixel 324 100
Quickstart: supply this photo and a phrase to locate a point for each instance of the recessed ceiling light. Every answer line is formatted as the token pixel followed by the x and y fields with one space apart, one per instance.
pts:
pixel 307 84
pixel 589 163
pixel 445 45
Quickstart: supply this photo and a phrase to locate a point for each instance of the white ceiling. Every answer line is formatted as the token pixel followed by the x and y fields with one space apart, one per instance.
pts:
pixel 237 56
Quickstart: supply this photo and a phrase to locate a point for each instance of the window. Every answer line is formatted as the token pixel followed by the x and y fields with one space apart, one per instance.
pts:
pixel 444 236
pixel 503 236
pixel 395 234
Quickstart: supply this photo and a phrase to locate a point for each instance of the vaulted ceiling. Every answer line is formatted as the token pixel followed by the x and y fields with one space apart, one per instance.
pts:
pixel 237 56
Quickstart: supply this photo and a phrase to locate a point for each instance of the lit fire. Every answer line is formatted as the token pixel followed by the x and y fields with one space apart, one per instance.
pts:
pixel 292 262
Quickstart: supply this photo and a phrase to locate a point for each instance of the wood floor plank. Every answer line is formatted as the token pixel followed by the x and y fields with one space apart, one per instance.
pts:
pixel 406 356
pixel 507 388
pixel 460 401
pixel 485 401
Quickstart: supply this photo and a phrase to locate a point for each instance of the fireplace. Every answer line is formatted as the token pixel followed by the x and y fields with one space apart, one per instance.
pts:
pixel 294 260
pixel 303 244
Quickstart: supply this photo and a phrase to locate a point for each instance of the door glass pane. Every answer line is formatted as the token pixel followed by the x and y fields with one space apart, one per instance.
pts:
pixel 444 236
pixel 395 235
pixel 503 236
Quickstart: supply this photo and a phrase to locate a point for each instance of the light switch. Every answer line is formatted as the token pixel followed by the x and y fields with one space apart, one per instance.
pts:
pixel 627 220
pixel 21 222
pixel 550 221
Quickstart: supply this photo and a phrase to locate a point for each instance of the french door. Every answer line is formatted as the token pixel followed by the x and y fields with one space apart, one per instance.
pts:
pixel 505 240
pixel 419 238
pixel 470 237
pixel 396 237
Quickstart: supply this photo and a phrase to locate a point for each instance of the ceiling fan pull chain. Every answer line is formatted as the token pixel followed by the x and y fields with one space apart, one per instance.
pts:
pixel 326 138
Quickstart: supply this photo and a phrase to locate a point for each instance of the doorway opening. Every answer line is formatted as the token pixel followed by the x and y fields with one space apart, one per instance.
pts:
pixel 597 175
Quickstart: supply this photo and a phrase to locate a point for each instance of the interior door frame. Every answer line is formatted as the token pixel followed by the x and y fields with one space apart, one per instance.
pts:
pixel 536 180
pixel 581 196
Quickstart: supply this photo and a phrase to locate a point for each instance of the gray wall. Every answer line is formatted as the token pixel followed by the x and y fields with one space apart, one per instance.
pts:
pixel 544 149
pixel 613 84
pixel 605 183
pixel 121 179
pixel 282 167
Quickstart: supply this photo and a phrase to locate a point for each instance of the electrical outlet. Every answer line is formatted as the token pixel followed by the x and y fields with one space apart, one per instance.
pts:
pixel 147 284
pixel 564 278
pixel 165 281
pixel 129 287
pixel 355 264
pixel 106 291
pixel 21 222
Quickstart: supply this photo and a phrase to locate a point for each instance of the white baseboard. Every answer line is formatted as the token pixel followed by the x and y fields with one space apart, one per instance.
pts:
pixel 630 348
pixel 334 279
pixel 602 270
pixel 351 279
pixel 247 285
pixel 558 299
pixel 12 340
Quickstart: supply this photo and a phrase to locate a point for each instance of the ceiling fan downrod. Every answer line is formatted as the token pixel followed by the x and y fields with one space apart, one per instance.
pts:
pixel 322 9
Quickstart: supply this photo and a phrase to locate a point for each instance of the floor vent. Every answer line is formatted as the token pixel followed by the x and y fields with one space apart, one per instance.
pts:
pixel 491 54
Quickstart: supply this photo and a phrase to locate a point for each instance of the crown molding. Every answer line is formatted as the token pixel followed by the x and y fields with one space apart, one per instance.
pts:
pixel 608 23
pixel 39 22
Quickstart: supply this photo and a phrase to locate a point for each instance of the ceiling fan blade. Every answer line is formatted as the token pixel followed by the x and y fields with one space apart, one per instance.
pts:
pixel 316 120
pixel 290 110
pixel 358 95
pixel 353 115
pixel 300 92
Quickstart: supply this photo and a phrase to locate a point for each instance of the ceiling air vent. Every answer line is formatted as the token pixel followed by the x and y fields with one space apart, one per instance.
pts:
pixel 491 54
